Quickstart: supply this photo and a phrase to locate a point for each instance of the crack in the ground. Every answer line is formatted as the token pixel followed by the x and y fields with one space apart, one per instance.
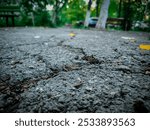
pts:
pixel 12 98
pixel 14 91
pixel 25 84
pixel 89 58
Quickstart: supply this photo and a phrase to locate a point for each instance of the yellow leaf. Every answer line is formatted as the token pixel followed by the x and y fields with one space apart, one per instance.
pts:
pixel 145 46
pixel 72 35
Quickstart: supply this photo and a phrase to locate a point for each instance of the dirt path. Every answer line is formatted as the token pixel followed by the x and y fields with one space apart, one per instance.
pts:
pixel 71 70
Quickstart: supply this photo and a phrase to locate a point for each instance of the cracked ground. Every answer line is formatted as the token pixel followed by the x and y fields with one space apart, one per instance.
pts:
pixel 73 70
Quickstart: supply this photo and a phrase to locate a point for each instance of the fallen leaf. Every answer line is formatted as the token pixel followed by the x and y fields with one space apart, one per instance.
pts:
pixel 72 34
pixel 145 46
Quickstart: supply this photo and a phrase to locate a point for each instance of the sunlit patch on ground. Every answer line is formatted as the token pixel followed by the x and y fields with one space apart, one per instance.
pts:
pixel 144 46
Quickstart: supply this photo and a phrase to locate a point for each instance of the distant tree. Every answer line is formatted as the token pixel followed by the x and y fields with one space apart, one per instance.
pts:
pixel 88 13
pixel 33 5
pixel 127 15
pixel 147 9
pixel 101 24
pixel 120 7
pixel 34 12
pixel 8 2
pixel 57 5
pixel 73 12
pixel 97 7
pixel 134 10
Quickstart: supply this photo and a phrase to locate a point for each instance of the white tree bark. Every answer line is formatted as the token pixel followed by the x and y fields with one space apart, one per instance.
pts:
pixel 101 24
pixel 86 23
pixel 54 17
pixel 88 13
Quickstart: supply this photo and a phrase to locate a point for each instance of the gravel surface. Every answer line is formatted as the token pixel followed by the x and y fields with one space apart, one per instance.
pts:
pixel 72 70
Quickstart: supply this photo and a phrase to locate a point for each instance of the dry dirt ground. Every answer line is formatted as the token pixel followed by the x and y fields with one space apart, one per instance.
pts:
pixel 73 70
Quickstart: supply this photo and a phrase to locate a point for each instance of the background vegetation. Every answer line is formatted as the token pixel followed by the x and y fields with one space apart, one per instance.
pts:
pixel 53 13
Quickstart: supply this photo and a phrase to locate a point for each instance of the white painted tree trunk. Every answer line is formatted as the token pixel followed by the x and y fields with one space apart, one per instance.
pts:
pixel 54 17
pixel 101 24
pixel 88 13
pixel 86 23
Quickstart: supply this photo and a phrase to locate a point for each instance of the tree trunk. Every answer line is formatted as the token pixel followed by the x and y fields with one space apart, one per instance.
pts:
pixel 101 24
pixel 55 13
pixel 88 13
pixel 119 10
pixel 146 11
pixel 97 7
pixel 127 16
pixel 57 7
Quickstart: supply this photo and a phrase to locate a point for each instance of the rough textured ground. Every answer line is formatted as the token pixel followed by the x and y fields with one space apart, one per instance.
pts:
pixel 46 70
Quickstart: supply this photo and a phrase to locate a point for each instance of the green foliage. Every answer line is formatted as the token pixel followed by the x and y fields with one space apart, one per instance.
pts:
pixel 9 8
pixel 38 8
pixel 2 22
pixel 113 9
pixel 33 5
pixel 75 11
pixel 25 21
pixel 136 11
pixel 70 11
pixel 43 19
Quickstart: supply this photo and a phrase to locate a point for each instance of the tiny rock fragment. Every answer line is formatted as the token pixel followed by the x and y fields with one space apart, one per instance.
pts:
pixel 91 59
pixel 89 88
pixel 79 79
pixel 113 93
pixel 46 43
pixel 123 68
pixel 13 62
pixel 76 57
pixel 71 67
pixel 147 72
pixel 78 85
pixel 36 37
pixel 31 67
pixel 39 89
pixel 90 81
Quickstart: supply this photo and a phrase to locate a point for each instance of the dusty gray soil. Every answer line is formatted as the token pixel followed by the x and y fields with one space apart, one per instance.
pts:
pixel 46 70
